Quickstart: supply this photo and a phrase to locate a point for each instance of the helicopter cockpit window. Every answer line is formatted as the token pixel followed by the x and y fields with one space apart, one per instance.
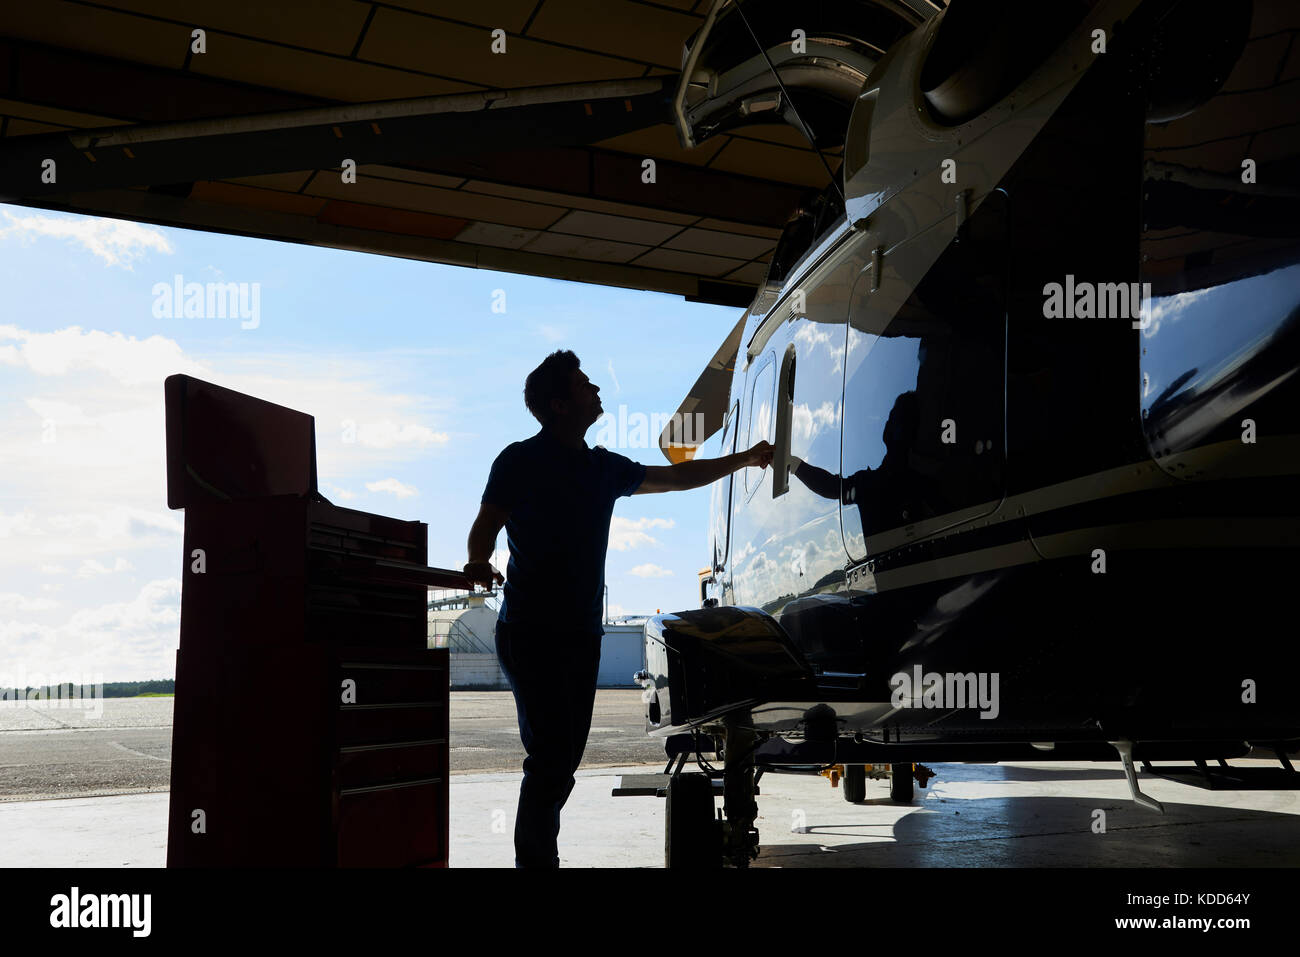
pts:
pixel 811 220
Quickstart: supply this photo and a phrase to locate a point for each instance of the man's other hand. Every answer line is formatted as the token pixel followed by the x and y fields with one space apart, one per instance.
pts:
pixel 760 455
pixel 483 573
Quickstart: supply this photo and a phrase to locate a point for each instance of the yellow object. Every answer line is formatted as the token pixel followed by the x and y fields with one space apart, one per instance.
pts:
pixel 835 772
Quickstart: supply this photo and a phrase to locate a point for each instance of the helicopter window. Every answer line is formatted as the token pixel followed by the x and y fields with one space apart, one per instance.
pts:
pixel 811 220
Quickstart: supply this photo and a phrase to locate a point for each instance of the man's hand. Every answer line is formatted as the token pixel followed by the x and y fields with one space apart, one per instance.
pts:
pixel 483 573
pixel 760 455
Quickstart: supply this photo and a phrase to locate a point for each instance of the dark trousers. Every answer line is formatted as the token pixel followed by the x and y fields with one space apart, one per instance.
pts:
pixel 553 676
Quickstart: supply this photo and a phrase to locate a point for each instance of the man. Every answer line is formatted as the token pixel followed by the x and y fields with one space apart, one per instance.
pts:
pixel 555 497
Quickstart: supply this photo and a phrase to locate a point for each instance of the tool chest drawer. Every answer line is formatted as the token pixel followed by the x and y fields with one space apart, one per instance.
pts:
pixel 384 683
pixel 399 826
pixel 371 765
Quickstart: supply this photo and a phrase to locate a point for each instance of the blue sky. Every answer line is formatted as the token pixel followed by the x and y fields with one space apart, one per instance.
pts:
pixel 415 383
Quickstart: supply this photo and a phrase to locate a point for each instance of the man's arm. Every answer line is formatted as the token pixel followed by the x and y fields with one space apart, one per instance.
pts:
pixel 693 474
pixel 482 536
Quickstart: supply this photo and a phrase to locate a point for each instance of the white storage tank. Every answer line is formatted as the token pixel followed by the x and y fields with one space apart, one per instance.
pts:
pixel 466 624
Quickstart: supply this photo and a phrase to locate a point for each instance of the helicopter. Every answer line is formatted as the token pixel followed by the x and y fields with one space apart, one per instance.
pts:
pixel 1028 364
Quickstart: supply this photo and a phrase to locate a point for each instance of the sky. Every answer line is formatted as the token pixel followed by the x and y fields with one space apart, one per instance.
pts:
pixel 414 373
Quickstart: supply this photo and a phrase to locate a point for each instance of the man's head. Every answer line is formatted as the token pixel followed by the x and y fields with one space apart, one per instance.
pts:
pixel 559 392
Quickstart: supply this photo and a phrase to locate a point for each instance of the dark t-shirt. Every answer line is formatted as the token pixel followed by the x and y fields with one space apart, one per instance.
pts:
pixel 560 502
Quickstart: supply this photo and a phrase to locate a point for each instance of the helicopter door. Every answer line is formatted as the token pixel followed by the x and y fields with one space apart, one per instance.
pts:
pixel 924 439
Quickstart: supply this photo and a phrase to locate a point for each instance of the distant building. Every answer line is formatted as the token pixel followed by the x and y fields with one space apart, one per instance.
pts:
pixel 622 653
pixel 466 625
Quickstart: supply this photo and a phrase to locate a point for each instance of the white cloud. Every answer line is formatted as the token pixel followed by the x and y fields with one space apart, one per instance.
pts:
pixel 86 453
pixel 117 242
pixel 91 567
pixel 553 333
pixel 20 524
pixel 83 474
pixel 120 641
pixel 400 489
pixel 335 491
pixel 12 601
pixel 649 570
pixel 1168 307
pixel 627 533
pixel 130 361
pixel 74 533
pixel 808 422
pixel 60 413
pixel 812 335
pixel 387 434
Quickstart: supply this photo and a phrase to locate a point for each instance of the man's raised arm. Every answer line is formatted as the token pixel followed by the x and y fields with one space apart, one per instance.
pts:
pixel 482 538
pixel 693 474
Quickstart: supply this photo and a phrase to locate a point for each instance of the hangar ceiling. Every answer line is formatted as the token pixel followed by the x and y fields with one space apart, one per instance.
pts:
pixel 528 161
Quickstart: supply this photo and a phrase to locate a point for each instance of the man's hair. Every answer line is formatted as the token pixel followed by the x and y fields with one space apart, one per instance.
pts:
pixel 550 380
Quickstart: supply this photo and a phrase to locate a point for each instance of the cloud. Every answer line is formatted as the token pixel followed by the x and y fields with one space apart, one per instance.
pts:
pixel 1168 307
pixel 73 533
pixel 83 466
pixel 649 570
pixel 387 434
pixel 400 489
pixel 60 413
pixel 21 524
pixel 337 492
pixel 117 242
pixel 812 335
pixel 12 601
pixel 91 567
pixel 808 422
pixel 118 641
pixel 553 333
pixel 130 361
pixel 85 454
pixel 628 533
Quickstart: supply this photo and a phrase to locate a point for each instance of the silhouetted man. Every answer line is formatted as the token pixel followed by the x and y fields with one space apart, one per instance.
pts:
pixel 555 497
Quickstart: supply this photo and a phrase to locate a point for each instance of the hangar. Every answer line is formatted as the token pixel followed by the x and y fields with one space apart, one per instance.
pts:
pixel 553 138
pixel 527 159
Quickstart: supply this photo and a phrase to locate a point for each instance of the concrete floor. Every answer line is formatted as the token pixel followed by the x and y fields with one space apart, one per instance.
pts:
pixel 1022 815
pixel 52 753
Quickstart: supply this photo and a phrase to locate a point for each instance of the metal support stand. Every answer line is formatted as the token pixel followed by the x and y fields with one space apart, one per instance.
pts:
pixel 740 838
pixel 1125 749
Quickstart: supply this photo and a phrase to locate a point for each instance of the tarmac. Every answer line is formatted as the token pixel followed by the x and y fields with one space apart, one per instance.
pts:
pixel 1041 814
